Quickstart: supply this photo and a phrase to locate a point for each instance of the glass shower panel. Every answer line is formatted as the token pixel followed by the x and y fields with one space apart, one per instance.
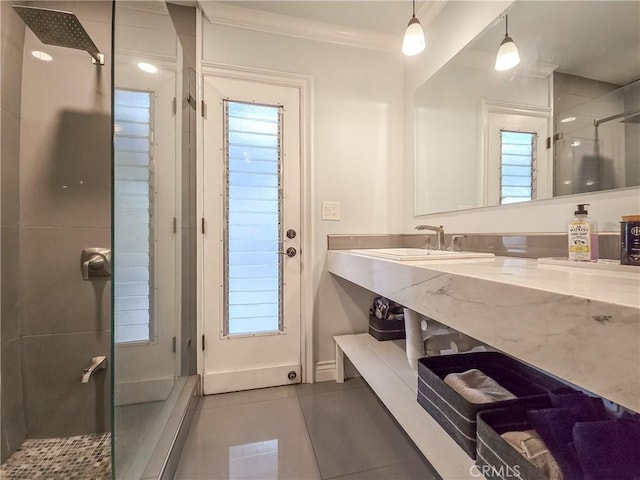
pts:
pixel 147 246
pixel 597 143
pixel 56 198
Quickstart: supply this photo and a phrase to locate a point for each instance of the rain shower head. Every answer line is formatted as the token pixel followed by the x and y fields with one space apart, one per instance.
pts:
pixel 56 27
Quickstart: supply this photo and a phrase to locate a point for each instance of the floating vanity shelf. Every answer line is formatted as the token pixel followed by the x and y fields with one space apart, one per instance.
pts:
pixel 583 327
pixel 385 368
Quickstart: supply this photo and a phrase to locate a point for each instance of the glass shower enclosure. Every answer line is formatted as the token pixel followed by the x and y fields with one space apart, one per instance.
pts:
pixel 148 115
pixel 96 243
pixel 56 237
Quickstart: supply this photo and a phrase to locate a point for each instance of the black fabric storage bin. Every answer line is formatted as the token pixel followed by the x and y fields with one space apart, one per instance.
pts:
pixel 456 415
pixel 495 457
pixel 386 329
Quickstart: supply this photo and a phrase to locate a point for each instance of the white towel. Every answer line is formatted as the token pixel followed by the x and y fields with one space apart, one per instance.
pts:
pixel 529 444
pixel 476 387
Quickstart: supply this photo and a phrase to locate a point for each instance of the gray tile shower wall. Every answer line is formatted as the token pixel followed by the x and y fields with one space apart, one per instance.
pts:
pixel 61 181
pixel 13 430
pixel 58 405
pixel 56 300
pixel 528 245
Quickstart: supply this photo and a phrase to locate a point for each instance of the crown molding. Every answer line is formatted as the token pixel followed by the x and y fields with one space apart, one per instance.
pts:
pixel 429 10
pixel 155 7
pixel 267 22
pixel 485 61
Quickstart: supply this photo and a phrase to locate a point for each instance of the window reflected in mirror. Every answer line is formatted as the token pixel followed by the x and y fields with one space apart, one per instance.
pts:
pixel 577 87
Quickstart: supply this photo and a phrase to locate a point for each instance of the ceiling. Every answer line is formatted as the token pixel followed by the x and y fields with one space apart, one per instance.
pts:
pixel 592 39
pixel 390 16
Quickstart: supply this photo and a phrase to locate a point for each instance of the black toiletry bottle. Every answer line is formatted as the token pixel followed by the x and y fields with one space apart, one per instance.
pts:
pixel 630 240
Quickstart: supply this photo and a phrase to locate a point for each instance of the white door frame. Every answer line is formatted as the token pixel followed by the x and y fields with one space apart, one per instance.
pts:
pixel 304 84
pixel 488 107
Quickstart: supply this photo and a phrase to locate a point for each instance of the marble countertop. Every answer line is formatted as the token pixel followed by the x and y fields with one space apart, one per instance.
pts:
pixel 583 326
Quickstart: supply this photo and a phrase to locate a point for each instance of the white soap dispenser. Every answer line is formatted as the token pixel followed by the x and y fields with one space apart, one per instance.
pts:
pixel 583 236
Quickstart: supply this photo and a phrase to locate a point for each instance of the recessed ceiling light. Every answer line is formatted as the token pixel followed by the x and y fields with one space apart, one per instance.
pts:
pixel 147 67
pixel 567 120
pixel 45 57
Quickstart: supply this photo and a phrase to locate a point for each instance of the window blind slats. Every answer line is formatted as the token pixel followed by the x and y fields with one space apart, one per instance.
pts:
pixel 253 270
pixel 132 212
pixel 517 166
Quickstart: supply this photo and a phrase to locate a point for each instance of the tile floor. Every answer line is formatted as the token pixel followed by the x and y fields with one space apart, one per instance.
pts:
pixel 83 457
pixel 134 439
pixel 321 431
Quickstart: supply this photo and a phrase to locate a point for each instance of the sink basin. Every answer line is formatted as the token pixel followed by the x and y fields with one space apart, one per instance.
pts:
pixel 413 254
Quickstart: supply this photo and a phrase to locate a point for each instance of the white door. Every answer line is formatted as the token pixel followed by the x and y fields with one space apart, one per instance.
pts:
pixel 252 238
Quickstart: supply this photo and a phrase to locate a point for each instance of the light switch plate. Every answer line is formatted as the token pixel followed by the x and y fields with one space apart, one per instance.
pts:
pixel 331 211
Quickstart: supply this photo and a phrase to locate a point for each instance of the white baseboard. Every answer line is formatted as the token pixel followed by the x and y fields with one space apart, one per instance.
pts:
pixel 220 382
pixel 143 391
pixel 325 371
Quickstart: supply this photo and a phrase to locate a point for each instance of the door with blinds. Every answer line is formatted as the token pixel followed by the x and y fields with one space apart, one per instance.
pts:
pixel 251 228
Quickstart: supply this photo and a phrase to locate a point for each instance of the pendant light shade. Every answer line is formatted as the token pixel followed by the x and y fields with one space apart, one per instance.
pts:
pixel 413 42
pixel 508 56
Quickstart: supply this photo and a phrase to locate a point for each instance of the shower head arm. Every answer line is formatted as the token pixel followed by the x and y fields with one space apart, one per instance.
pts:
pixel 59 28
pixel 597 123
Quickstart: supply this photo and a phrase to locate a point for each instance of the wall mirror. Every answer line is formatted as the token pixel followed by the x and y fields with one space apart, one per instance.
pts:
pixel 566 120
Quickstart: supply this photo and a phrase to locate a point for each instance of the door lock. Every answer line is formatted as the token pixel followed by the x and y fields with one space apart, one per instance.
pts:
pixel 291 233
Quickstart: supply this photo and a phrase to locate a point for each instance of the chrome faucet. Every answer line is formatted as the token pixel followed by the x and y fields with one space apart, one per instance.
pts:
pixel 454 243
pixel 439 234
pixel 97 363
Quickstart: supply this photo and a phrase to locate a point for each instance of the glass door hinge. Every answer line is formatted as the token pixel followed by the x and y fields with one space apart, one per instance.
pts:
pixel 192 102
pixel 174 345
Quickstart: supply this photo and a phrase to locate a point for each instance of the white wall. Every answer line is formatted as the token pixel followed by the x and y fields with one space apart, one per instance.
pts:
pixel 356 151
pixel 456 25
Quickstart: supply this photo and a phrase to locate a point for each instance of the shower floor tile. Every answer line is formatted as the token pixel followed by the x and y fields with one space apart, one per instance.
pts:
pixel 85 457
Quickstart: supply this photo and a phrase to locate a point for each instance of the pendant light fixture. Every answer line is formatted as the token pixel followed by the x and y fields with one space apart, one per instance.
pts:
pixel 413 42
pixel 508 56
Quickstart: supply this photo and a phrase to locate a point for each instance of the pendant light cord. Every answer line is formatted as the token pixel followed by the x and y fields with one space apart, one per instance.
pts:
pixel 506 25
pixel 414 8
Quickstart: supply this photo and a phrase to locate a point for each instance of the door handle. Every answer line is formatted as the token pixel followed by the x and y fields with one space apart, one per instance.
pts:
pixel 290 252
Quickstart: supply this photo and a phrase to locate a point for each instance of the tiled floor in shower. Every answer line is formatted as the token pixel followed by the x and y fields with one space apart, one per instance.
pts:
pixel 85 457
